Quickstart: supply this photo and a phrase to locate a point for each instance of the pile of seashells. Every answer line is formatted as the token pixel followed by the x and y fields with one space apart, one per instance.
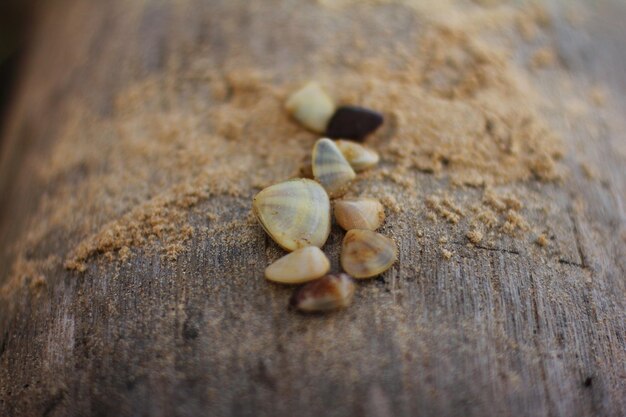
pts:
pixel 296 213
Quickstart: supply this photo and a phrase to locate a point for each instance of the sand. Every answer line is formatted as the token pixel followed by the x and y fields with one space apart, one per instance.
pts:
pixel 457 106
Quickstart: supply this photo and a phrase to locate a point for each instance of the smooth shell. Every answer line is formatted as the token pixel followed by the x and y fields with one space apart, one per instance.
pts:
pixel 353 122
pixel 299 266
pixel 331 168
pixel 328 293
pixel 365 254
pixel 311 106
pixel 358 156
pixel 359 213
pixel 295 213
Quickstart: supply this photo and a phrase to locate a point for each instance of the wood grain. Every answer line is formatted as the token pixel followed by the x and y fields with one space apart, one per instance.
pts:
pixel 495 332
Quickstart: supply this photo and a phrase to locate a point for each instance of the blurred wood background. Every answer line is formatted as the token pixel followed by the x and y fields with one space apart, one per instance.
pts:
pixel 500 333
pixel 14 28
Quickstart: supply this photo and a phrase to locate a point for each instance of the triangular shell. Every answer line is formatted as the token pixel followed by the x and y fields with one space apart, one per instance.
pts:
pixel 331 168
pixel 311 106
pixel 359 213
pixel 295 213
pixel 358 156
pixel 365 254
pixel 299 266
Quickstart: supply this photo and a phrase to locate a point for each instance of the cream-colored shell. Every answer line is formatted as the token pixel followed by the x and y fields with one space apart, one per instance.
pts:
pixel 365 254
pixel 311 106
pixel 359 213
pixel 299 266
pixel 358 156
pixel 331 168
pixel 295 213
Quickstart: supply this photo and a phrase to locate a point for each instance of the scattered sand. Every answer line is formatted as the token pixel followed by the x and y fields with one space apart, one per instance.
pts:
pixel 598 96
pixel 475 236
pixel 542 240
pixel 29 273
pixel 589 170
pixel 456 107
pixel 447 211
pixel 542 58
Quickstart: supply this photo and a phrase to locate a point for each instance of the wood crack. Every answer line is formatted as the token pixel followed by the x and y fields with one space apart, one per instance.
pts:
pixel 570 263
pixel 514 252
pixel 570 213
pixel 502 250
pixel 536 342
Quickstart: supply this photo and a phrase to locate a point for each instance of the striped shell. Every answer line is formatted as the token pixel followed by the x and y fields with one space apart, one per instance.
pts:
pixel 331 168
pixel 359 213
pixel 328 293
pixel 365 254
pixel 302 265
pixel 358 156
pixel 295 213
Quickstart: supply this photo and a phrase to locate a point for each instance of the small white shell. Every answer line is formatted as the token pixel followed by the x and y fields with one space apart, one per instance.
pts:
pixel 331 168
pixel 299 266
pixel 295 213
pixel 359 157
pixel 359 213
pixel 328 293
pixel 311 106
pixel 365 254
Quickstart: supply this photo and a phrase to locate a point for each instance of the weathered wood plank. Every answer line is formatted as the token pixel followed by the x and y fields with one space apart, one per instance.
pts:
pixel 494 331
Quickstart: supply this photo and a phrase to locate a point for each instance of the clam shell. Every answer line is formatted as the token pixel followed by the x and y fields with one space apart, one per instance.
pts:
pixel 328 293
pixel 331 168
pixel 353 122
pixel 311 106
pixel 359 213
pixel 295 213
pixel 299 266
pixel 358 156
pixel 365 254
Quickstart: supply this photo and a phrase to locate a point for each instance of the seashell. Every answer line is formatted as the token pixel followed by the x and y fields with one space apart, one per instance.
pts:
pixel 295 213
pixel 359 213
pixel 365 254
pixel 358 156
pixel 331 168
pixel 302 265
pixel 353 122
pixel 311 106
pixel 328 293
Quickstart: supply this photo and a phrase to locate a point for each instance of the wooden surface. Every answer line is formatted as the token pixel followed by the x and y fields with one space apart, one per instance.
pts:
pixel 494 332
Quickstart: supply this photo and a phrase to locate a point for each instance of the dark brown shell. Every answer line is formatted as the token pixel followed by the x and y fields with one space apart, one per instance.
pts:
pixel 328 293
